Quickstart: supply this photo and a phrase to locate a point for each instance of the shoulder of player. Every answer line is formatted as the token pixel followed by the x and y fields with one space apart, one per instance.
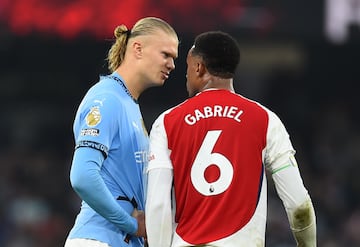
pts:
pixel 173 111
pixel 105 103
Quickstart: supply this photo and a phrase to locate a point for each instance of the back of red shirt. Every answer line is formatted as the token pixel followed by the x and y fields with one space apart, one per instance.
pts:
pixel 216 140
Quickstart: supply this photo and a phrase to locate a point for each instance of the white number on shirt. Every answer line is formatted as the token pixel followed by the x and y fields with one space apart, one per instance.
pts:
pixel 204 159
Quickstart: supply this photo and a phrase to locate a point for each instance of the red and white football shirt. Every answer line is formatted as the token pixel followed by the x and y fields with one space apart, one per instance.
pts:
pixel 217 144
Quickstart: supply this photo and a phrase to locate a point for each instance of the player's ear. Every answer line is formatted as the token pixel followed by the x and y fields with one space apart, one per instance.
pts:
pixel 201 69
pixel 137 49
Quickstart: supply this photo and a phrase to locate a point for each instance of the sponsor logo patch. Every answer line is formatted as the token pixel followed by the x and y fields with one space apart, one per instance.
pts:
pixel 90 132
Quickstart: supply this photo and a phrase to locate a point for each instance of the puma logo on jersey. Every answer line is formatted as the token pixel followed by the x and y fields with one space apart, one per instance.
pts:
pixel 100 102
pixel 232 112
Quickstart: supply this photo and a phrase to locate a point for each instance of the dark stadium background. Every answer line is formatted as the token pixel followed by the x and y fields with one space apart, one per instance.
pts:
pixel 51 52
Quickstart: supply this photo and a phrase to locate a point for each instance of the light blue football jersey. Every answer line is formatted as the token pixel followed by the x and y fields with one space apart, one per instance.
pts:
pixel 109 119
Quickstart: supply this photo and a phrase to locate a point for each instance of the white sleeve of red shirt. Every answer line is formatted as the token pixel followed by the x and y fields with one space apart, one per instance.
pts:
pixel 289 184
pixel 159 218
pixel 282 165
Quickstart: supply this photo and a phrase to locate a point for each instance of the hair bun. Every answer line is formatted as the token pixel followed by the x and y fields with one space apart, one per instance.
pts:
pixel 120 30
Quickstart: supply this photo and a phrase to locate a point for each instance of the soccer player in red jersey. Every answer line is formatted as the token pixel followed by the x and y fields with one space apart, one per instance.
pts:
pixel 213 151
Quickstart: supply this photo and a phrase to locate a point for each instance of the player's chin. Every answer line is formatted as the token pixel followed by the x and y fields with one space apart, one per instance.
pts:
pixel 159 80
pixel 158 83
pixel 162 80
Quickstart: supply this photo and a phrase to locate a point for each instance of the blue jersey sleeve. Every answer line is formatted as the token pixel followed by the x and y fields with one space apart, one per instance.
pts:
pixel 97 122
pixel 86 180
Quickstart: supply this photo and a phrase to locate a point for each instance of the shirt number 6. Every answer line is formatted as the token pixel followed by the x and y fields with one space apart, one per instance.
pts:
pixel 204 158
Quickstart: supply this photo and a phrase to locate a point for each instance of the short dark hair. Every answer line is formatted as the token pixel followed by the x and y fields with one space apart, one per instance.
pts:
pixel 219 51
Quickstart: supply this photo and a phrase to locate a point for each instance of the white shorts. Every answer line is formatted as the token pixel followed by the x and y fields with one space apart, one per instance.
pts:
pixel 81 242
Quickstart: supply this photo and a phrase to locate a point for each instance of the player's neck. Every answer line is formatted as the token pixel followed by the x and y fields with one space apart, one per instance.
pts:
pixel 131 82
pixel 219 83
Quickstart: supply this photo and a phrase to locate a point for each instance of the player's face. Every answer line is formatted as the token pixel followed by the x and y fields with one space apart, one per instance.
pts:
pixel 158 54
pixel 192 74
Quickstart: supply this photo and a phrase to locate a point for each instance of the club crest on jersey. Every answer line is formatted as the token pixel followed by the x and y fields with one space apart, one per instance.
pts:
pixel 93 118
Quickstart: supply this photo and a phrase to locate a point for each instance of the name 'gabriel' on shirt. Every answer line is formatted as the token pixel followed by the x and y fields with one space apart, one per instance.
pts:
pixel 232 112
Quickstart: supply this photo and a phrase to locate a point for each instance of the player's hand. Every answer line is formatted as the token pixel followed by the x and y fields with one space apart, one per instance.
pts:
pixel 139 215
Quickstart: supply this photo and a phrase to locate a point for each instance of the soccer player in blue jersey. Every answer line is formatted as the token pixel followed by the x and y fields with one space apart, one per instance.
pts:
pixel 111 152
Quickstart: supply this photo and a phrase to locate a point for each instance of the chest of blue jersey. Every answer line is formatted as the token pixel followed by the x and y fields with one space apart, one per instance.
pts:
pixel 111 120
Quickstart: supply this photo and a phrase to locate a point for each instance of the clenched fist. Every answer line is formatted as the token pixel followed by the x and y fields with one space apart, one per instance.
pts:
pixel 139 215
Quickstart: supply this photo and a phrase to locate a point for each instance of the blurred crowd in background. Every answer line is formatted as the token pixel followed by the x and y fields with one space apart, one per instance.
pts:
pixel 288 64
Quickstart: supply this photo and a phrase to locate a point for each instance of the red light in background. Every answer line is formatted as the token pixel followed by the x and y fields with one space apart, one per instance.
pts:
pixel 99 18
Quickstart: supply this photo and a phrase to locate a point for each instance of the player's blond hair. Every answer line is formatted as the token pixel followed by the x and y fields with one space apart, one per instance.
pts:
pixel 144 26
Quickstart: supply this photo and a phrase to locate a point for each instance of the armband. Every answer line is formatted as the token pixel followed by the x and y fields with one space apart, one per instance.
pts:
pixel 90 144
